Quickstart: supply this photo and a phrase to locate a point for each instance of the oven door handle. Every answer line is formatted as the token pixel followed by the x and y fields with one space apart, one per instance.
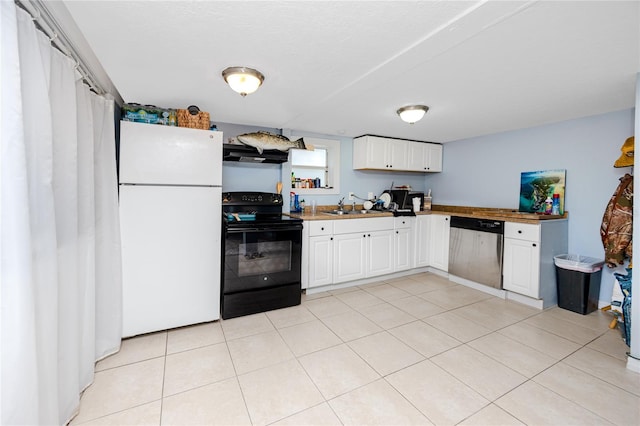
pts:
pixel 264 228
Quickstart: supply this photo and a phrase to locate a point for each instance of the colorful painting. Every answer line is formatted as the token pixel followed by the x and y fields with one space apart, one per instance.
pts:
pixel 536 187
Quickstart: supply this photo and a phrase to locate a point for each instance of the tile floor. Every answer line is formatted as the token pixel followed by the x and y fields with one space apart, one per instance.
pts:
pixel 415 350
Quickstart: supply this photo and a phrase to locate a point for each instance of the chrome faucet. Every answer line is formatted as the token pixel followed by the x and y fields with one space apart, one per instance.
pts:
pixel 341 204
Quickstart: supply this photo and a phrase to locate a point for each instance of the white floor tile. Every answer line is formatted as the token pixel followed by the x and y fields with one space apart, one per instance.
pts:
pixel 337 370
pixel 236 328
pixel 142 415
pixel 327 306
pixel 120 388
pixel 136 349
pixel 491 415
pixel 442 398
pixel 490 362
pixel 216 404
pixel 483 374
pixel 457 327
pixel 279 391
pixel 195 336
pixel 320 415
pixel 376 404
pixel 570 331
pixel 611 343
pixel 258 351
pixel 607 368
pixel 387 316
pixel 417 307
pixel 592 393
pixel 387 292
pixel 454 297
pixel 359 299
pixel 534 404
pixel 351 325
pixel 425 339
pixel 309 337
pixel 290 316
pixel 197 367
pixel 385 353
pixel 521 358
pixel 548 343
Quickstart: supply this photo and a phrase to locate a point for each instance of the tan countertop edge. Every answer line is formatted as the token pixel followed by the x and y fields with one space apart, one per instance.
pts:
pixel 508 215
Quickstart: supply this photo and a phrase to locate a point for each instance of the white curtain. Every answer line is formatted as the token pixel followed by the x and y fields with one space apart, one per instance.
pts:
pixel 60 294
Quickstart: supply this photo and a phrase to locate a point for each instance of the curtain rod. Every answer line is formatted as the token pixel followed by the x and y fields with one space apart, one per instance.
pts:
pixel 48 25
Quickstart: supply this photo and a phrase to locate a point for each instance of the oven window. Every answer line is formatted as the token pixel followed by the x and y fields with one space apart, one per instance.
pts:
pixel 259 258
pixel 264 257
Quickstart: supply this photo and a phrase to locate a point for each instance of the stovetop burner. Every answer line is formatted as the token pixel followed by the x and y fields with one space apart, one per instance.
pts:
pixel 254 208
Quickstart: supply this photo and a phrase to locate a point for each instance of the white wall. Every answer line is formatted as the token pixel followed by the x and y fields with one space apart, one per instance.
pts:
pixel 485 171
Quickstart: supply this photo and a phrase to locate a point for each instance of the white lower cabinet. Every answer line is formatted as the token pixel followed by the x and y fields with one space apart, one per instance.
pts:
pixel 528 266
pixel 520 269
pixel 319 246
pixel 349 257
pixel 320 261
pixel 379 253
pixel 403 244
pixel 439 242
pixel 349 250
pixel 422 237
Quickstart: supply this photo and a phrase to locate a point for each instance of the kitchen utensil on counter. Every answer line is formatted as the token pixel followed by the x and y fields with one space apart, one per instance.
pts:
pixel 386 199
pixel 416 204
pixel 367 205
pixel 279 188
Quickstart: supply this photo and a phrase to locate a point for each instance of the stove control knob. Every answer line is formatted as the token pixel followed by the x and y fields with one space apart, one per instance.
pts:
pixel 260 198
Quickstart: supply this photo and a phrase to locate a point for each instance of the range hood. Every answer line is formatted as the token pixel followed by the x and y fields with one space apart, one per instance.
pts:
pixel 248 154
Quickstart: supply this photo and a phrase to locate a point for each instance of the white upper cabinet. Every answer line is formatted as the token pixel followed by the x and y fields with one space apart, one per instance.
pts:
pixel 378 153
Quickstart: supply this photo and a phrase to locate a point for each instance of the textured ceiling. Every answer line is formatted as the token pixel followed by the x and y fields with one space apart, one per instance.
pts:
pixel 345 67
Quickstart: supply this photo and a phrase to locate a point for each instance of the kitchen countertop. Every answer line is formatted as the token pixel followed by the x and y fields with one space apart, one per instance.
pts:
pixel 507 215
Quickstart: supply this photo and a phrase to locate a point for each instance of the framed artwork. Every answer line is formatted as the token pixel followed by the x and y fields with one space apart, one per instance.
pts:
pixel 536 187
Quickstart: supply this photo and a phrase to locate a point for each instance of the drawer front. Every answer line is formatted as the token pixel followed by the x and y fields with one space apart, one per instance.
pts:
pixel 348 226
pixel 320 227
pixel 522 231
pixel 402 222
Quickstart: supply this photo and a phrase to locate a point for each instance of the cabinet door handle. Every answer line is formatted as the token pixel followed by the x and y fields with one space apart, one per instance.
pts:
pixel 519 231
pixel 534 245
pixel 364 236
pixel 322 229
pixel 368 235
pixel 397 232
pixel 331 239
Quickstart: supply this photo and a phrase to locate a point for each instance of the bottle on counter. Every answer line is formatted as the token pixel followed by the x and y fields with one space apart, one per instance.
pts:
pixel 555 204
pixel 548 205
pixel 293 180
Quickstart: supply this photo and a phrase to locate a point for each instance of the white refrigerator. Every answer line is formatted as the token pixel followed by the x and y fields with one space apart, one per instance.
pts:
pixel 170 219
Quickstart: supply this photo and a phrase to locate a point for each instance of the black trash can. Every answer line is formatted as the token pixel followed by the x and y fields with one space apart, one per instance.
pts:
pixel 578 282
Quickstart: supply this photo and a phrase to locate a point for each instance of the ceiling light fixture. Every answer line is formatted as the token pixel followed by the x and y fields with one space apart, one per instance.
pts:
pixel 243 80
pixel 412 113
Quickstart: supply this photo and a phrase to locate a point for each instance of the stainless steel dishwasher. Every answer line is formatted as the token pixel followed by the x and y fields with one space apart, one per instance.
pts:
pixel 475 250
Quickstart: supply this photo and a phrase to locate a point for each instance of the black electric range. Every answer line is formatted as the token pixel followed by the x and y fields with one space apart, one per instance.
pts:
pixel 261 254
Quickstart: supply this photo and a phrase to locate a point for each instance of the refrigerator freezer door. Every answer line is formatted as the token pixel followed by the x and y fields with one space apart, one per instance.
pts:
pixel 155 154
pixel 170 256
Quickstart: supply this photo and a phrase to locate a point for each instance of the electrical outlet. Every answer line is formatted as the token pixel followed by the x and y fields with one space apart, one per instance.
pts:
pixel 351 194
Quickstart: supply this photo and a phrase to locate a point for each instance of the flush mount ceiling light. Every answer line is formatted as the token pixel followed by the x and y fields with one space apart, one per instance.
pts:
pixel 243 80
pixel 412 113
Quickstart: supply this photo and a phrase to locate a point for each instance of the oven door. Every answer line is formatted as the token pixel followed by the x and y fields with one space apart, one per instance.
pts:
pixel 261 267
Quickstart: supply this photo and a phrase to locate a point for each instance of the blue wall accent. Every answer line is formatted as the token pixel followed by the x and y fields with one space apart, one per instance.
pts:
pixel 485 171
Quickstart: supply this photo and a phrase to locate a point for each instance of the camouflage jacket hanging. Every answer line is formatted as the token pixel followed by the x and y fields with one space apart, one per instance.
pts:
pixel 617 224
